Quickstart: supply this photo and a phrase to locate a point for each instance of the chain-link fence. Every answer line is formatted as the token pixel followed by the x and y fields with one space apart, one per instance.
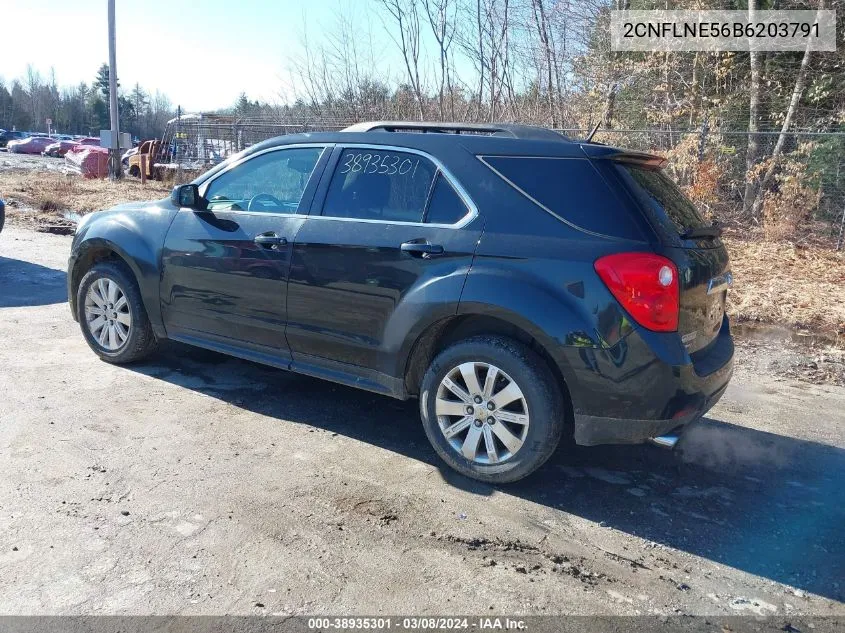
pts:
pixel 197 141
pixel 802 191
pixel 804 188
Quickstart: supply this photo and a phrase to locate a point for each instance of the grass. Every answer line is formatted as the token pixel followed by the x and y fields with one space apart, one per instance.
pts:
pixel 798 284
pixel 55 192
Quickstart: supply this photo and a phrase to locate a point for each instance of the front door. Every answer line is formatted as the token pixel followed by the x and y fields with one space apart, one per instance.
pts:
pixel 224 270
pixel 391 223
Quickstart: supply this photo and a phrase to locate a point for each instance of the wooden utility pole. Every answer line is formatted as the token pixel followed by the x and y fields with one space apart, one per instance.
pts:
pixel 115 170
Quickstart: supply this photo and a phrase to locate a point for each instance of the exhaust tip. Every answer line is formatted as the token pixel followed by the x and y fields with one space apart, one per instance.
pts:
pixel 665 441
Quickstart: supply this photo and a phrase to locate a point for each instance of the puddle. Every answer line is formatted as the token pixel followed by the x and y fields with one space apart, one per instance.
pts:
pixel 777 333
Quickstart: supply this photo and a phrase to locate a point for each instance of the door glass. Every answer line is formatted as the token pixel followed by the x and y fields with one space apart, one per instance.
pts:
pixel 445 206
pixel 273 182
pixel 370 184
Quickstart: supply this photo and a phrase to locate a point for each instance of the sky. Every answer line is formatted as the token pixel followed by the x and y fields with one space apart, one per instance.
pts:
pixel 202 54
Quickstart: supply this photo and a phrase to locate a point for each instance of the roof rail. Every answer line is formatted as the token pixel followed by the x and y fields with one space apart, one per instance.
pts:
pixel 502 129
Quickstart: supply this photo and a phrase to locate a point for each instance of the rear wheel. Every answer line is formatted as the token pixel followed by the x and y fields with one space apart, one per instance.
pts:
pixel 135 171
pixel 112 315
pixel 491 409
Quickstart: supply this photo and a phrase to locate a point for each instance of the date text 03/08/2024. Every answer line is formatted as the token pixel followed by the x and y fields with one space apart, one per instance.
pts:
pixel 417 623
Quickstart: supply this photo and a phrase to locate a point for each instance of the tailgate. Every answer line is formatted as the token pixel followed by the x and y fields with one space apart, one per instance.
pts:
pixel 703 267
pixel 704 276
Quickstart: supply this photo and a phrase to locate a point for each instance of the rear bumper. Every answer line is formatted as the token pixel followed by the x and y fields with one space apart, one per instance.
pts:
pixel 591 430
pixel 646 386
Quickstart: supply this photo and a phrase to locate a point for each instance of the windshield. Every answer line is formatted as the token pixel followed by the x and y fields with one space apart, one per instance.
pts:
pixel 656 191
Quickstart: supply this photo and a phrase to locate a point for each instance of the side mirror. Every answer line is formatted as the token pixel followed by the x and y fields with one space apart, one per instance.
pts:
pixel 188 196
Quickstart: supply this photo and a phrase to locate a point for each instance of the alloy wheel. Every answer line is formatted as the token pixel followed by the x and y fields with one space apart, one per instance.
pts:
pixel 107 314
pixel 482 412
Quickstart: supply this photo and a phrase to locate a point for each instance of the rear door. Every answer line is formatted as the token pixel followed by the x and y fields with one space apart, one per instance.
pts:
pixel 391 222
pixel 703 266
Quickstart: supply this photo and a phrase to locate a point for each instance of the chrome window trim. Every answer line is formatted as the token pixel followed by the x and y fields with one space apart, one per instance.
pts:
pixel 472 210
pixel 203 188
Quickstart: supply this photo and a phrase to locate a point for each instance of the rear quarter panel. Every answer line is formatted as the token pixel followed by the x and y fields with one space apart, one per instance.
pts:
pixel 536 272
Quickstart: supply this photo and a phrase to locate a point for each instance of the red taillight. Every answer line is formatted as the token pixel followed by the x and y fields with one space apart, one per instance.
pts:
pixel 646 285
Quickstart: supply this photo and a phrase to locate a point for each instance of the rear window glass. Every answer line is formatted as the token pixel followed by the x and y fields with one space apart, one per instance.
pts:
pixel 656 191
pixel 571 189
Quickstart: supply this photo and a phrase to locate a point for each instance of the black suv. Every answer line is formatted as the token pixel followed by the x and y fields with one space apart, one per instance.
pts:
pixel 524 286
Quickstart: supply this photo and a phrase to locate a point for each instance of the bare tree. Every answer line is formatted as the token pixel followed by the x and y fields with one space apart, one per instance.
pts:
pixel 797 90
pixel 500 29
pixel 33 85
pixel 338 77
pixel 443 25
pixel 485 42
pixel 613 87
pixel 550 65
pixel 753 118
pixel 406 16
pixel 311 71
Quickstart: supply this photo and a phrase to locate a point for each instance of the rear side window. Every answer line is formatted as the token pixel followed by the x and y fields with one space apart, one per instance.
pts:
pixel 380 185
pixel 571 189
pixel 656 191
pixel 445 205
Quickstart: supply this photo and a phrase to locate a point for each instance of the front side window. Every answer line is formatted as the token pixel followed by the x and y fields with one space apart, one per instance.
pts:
pixel 371 184
pixel 273 182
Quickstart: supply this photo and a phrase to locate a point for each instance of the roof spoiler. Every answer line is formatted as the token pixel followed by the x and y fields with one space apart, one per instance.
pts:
pixel 630 157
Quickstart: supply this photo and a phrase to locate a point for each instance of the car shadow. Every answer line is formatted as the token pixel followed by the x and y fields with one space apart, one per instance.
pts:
pixel 27 284
pixel 763 503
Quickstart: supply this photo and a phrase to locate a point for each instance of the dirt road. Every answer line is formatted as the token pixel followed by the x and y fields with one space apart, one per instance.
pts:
pixel 196 483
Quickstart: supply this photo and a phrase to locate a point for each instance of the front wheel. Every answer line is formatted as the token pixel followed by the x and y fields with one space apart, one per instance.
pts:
pixel 112 315
pixel 491 408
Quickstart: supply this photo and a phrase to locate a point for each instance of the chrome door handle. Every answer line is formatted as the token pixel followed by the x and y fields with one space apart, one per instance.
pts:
pixel 270 240
pixel 421 248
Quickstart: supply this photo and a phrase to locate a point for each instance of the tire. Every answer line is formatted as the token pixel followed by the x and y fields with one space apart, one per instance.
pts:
pixel 139 341
pixel 135 171
pixel 2 214
pixel 541 402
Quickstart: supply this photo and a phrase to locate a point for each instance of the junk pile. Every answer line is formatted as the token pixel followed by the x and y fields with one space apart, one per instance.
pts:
pixel 89 160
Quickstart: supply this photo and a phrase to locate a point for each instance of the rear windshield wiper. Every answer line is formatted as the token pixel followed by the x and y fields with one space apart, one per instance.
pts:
pixel 714 230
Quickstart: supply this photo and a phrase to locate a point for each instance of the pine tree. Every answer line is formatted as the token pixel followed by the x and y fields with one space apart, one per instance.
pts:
pixel 101 83
pixel 243 106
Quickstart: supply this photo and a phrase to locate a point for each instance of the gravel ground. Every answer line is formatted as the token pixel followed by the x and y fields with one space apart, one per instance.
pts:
pixel 772 351
pixel 8 160
pixel 195 483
